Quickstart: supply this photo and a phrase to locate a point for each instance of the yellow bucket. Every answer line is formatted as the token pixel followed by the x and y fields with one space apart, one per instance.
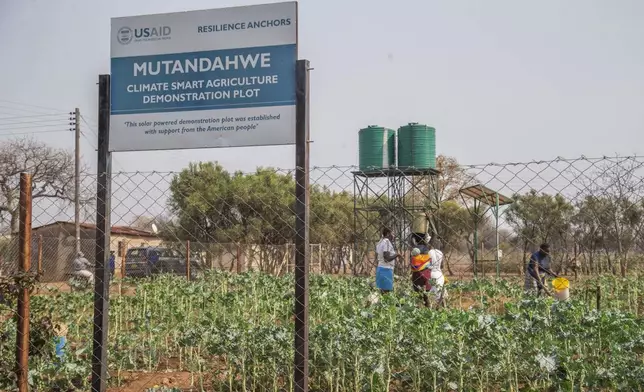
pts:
pixel 561 286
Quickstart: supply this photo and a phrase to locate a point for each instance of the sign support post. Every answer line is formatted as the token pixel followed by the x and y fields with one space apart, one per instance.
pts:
pixel 302 248
pixel 103 229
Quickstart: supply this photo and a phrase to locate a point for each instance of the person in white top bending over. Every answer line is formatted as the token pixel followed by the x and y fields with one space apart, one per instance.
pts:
pixel 386 255
pixel 81 268
pixel 437 277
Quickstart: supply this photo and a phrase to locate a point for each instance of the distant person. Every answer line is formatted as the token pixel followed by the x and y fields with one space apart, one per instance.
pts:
pixel 387 256
pixel 112 264
pixel 81 268
pixel 538 268
pixel 437 278
pixel 420 272
pixel 427 275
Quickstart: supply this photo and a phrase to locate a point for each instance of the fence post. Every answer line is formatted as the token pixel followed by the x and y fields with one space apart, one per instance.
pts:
pixel 188 260
pixel 302 250
pixel 103 231
pixel 40 270
pixel 22 338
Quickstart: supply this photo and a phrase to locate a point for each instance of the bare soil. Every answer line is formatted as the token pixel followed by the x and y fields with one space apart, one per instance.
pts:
pixel 139 382
pixel 63 287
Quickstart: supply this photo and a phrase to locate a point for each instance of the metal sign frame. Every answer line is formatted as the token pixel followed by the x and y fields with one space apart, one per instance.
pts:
pixel 301 240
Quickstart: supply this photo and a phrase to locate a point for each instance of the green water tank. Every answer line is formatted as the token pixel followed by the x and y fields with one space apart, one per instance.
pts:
pixel 416 146
pixel 376 148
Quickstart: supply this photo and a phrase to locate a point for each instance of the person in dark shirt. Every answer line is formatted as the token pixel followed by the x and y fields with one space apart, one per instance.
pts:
pixel 538 268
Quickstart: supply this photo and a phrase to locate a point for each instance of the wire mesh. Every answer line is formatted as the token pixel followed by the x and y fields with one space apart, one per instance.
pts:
pixel 202 279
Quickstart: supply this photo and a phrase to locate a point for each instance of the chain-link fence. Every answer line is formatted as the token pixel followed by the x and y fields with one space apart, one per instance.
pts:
pixel 202 263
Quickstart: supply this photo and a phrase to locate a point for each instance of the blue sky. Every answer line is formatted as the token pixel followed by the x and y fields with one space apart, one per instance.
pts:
pixel 501 80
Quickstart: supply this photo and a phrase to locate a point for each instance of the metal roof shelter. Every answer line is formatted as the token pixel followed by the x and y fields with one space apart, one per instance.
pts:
pixel 485 199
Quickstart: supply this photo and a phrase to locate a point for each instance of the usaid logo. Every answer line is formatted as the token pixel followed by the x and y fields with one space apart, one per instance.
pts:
pixel 125 35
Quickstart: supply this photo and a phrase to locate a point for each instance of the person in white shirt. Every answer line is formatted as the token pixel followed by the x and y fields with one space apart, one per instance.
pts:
pixel 386 255
pixel 437 277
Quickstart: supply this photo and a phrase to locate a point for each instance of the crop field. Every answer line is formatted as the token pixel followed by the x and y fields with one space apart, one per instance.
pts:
pixel 234 332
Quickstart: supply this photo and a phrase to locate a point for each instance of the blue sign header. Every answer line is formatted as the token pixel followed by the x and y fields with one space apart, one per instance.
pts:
pixel 232 78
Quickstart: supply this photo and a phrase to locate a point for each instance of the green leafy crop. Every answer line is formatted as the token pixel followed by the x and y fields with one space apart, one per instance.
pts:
pixel 234 332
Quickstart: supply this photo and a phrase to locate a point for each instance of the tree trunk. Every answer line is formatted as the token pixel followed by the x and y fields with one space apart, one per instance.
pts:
pixel 623 260
pixel 15 222
pixel 525 251
pixel 447 264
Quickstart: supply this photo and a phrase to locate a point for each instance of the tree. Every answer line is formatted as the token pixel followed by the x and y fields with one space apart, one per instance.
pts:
pixel 451 179
pixel 454 225
pixel 589 234
pixel 445 185
pixel 212 206
pixel 611 215
pixel 612 224
pixel 201 199
pixel 142 222
pixel 539 218
pixel 52 172
pixel 164 225
pixel 264 203
pixel 331 225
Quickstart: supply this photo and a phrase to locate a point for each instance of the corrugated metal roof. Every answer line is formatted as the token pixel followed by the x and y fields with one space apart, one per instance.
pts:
pixel 485 195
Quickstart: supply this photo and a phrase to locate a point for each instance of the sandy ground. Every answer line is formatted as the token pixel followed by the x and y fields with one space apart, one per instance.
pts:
pixel 138 382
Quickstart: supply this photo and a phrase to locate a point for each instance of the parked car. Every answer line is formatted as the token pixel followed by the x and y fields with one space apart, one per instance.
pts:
pixel 152 260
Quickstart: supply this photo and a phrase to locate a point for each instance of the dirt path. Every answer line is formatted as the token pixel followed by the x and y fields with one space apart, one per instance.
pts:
pixel 139 382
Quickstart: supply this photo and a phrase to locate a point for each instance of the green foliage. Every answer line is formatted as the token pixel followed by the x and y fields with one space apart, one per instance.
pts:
pixel 257 208
pixel 331 217
pixel 604 228
pixel 234 332
pixel 203 202
pixel 541 218
pixel 213 206
pixel 610 224
pixel 453 223
pixel 12 286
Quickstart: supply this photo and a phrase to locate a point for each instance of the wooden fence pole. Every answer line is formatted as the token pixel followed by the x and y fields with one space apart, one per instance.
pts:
pixel 22 338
